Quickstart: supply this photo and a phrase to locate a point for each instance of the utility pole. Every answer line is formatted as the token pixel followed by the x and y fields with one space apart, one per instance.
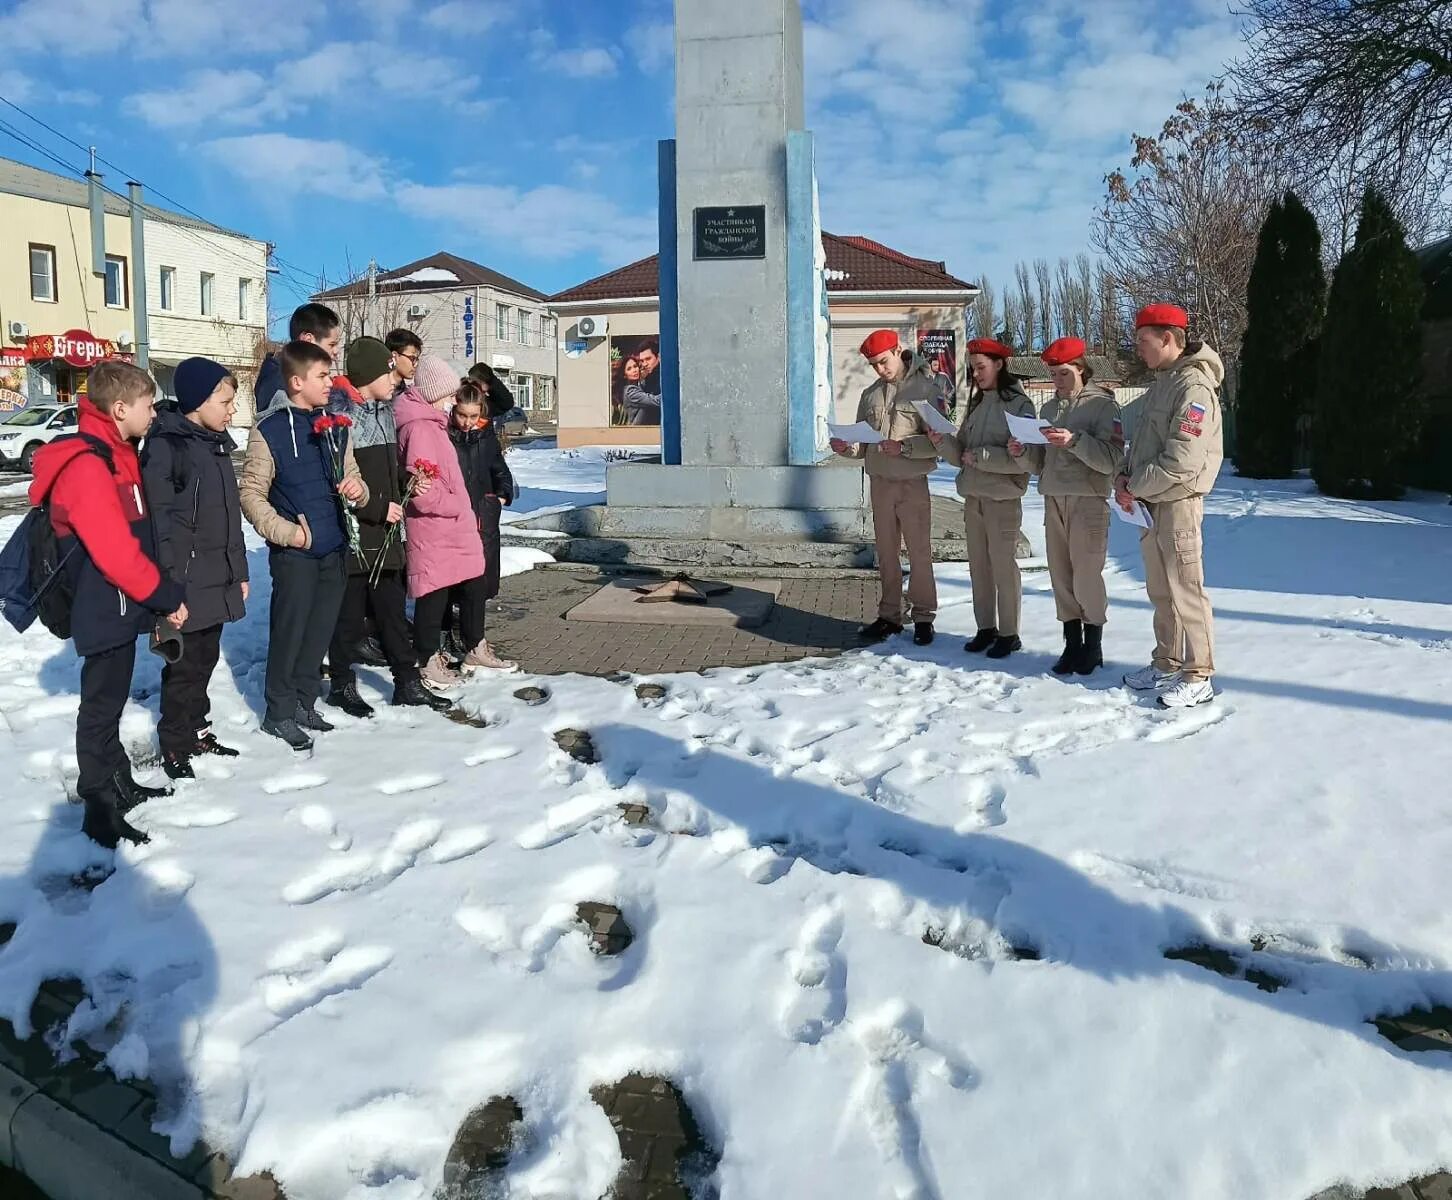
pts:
pixel 138 276
pixel 370 318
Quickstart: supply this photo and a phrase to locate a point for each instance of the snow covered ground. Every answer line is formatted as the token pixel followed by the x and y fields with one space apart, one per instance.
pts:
pixel 330 961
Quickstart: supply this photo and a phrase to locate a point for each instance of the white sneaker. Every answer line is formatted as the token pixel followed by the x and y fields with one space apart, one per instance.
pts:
pixel 439 676
pixel 483 656
pixel 1188 693
pixel 1151 679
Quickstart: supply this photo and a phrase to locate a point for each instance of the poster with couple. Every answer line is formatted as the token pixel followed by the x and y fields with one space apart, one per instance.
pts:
pixel 635 380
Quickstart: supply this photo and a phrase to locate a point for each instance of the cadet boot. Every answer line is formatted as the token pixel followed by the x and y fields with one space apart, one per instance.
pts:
pixel 981 641
pixel 129 793
pixel 1092 655
pixel 880 630
pixel 923 633
pixel 1004 646
pixel 345 696
pixel 411 693
pixel 104 824
pixel 1073 655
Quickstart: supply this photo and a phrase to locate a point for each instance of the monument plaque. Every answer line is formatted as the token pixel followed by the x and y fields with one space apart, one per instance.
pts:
pixel 735 232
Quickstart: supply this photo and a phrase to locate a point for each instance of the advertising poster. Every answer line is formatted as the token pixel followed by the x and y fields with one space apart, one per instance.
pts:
pixel 635 380
pixel 14 394
pixel 940 348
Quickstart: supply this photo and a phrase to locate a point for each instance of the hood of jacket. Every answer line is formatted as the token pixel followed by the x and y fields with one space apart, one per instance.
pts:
pixel 52 458
pixel 411 407
pixel 373 420
pixel 170 423
pixel 269 390
pixel 1200 357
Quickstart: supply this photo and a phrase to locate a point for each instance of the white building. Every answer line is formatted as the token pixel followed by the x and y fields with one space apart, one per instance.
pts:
pixel 466 313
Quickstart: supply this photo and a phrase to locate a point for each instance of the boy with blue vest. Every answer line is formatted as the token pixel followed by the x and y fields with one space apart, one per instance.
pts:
pixel 290 498
pixel 93 484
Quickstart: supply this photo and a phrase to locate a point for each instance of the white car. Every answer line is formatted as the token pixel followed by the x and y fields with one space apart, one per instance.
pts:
pixel 25 432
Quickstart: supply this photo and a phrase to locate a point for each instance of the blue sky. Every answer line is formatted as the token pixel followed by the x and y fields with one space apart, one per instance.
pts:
pixel 523 135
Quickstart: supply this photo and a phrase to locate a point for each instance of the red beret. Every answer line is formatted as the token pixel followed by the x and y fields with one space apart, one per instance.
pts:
pixel 879 342
pixel 1162 314
pixel 1065 350
pixel 989 346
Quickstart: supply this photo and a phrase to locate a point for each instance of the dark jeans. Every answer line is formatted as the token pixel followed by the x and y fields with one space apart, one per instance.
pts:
pixel 105 686
pixel 489 535
pixel 387 599
pixel 429 610
pixel 184 703
pixel 306 595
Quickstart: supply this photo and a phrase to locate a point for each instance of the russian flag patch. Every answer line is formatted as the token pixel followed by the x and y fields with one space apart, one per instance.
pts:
pixel 1195 414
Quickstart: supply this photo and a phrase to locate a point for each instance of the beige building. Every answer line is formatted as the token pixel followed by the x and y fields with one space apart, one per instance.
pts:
pixel 466 313
pixel 608 326
pixel 197 276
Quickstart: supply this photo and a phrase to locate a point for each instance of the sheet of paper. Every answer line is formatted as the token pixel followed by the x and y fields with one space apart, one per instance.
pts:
pixel 935 420
pixel 1140 516
pixel 1028 430
pixel 861 434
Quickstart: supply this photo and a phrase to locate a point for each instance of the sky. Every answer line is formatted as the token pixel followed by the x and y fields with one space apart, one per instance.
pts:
pixel 523 136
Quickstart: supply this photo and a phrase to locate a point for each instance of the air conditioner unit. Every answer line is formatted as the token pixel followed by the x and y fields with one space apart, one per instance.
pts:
pixel 418 310
pixel 593 327
pixel 19 331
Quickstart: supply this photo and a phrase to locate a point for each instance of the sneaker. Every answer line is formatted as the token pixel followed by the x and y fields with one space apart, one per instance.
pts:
pixel 207 743
pixel 880 630
pixel 1004 645
pixel 411 693
pixel 1151 679
pixel 1188 693
pixel 437 674
pixel 290 732
pixel 345 697
pixel 177 766
pixel 981 641
pixel 309 718
pixel 923 633
pixel 483 656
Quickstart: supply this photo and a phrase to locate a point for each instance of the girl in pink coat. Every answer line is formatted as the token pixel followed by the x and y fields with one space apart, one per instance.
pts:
pixel 444 549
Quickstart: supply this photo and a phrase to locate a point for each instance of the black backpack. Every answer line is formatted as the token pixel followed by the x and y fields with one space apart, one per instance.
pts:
pixel 34 581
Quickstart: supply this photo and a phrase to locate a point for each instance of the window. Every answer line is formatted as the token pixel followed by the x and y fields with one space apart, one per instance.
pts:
pixel 206 293
pixel 115 281
pixel 64 420
pixel 42 273
pixel 547 332
pixel 524 391
pixel 168 288
pixel 501 318
pixel 243 287
pixel 545 395
pixel 526 327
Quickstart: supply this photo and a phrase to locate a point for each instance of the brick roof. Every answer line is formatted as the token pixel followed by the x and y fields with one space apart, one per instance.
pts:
pixel 854 264
pixel 435 271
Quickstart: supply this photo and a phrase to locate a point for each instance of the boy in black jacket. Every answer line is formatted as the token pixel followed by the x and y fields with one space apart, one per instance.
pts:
pixel 192 488
pixel 490 484
pixel 365 394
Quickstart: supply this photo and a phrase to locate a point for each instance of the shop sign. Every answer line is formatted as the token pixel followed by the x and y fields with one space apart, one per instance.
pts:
pixel 77 347
pixel 14 393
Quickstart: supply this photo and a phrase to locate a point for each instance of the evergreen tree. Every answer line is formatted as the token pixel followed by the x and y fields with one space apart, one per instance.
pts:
pixel 1368 412
pixel 1285 304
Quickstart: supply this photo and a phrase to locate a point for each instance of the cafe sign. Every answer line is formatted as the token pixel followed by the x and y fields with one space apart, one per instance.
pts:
pixel 77 347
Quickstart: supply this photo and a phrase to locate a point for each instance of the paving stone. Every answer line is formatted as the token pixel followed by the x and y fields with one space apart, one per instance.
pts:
pixel 7 931
pixel 136 1129
pixel 609 934
pixel 1418 1029
pixel 578 744
pixel 635 814
pixel 664 1154
pixel 532 695
pixel 1434 1187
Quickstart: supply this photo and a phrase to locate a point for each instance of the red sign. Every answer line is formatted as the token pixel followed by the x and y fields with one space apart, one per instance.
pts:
pixel 77 347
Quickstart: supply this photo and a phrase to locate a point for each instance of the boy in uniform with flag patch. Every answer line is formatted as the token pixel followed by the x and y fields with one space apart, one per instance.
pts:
pixel 1171 466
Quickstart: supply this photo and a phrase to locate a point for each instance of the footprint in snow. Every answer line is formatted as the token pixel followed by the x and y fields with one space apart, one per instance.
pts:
pixel 492 754
pixel 299 781
pixel 362 869
pixel 816 996
pixel 410 783
pixel 288 994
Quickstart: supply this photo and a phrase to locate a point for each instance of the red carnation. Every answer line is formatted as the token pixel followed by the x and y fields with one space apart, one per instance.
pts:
pixel 422 466
pixel 322 424
pixel 343 421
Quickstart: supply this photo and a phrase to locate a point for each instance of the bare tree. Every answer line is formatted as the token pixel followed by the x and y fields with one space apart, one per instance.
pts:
pixel 1013 316
pixel 1360 87
pixel 1028 307
pixel 1182 225
pixel 1044 278
pixel 359 314
pixel 1111 324
pixel 983 313
pixel 1087 317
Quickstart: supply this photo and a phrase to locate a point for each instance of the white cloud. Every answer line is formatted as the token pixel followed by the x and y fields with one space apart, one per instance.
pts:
pixel 281 165
pixel 467 16
pixel 15 86
pixel 580 62
pixel 237 98
pixel 70 27
pixel 151 28
pixel 652 44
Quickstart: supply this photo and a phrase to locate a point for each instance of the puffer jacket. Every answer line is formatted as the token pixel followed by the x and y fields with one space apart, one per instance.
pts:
pixel 1177 448
pixel 444 547
pixel 1086 466
pixel 995 474
pixel 888 408
pixel 374 441
pixel 192 489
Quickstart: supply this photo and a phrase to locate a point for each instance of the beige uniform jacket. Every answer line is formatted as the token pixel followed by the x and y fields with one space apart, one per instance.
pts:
pixel 1087 465
pixel 995 474
pixel 1177 449
pixel 888 408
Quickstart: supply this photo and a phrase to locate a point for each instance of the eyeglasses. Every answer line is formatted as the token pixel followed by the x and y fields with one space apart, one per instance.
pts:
pixel 413 358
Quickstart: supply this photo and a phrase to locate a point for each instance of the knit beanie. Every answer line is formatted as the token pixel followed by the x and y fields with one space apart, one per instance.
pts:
pixel 435 378
pixel 367 359
pixel 195 380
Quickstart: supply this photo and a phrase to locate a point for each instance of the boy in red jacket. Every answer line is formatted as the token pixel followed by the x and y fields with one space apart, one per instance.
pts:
pixel 93 483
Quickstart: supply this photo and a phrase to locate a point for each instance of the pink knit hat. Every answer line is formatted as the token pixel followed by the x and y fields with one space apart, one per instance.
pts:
pixel 435 379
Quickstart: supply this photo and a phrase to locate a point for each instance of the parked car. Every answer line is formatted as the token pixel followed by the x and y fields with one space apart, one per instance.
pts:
pixel 515 422
pixel 31 428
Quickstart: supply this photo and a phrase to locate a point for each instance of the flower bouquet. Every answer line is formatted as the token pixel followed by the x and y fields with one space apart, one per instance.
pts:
pixel 422 470
pixel 332 430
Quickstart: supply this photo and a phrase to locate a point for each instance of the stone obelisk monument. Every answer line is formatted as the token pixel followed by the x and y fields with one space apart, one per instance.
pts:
pixel 742 305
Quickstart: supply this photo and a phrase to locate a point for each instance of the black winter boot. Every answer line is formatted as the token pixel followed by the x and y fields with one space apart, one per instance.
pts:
pixel 104 823
pixel 369 652
pixel 981 641
pixel 1070 660
pixel 310 718
pixel 130 794
pixel 290 732
pixel 207 743
pixel 1003 646
pixel 345 696
pixel 411 693
pixel 880 630
pixel 1092 655
pixel 922 633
